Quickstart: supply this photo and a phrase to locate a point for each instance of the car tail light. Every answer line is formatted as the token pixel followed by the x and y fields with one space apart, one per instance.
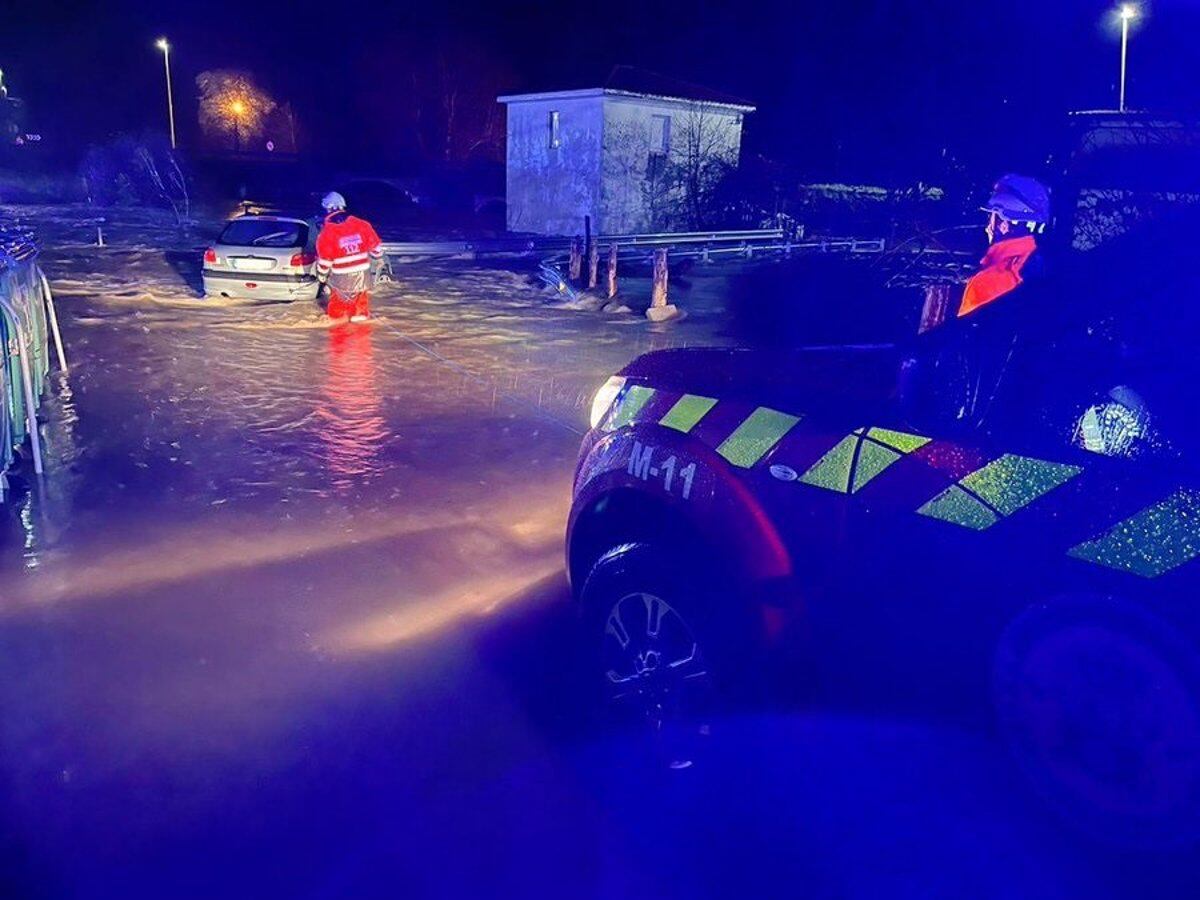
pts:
pixel 303 260
pixel 210 255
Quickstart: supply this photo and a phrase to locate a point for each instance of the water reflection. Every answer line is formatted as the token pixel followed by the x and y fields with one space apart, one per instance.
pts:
pixel 30 532
pixel 350 408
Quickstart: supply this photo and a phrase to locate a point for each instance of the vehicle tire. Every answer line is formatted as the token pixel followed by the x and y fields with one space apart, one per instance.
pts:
pixel 1099 702
pixel 670 646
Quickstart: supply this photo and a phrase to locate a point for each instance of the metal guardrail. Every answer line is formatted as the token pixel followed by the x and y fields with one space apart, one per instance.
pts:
pixel 28 320
pixel 750 248
pixel 554 252
pixel 655 250
pixel 544 246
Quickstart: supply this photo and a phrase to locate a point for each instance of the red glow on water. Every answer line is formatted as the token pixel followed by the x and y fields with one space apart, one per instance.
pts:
pixel 355 429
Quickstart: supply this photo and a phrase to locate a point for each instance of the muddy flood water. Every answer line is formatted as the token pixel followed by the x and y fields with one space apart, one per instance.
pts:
pixel 287 617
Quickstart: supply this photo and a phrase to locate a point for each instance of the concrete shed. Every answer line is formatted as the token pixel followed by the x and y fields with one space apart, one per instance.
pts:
pixel 613 152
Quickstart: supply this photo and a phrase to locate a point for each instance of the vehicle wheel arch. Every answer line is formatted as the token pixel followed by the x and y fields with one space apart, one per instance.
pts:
pixel 1132 637
pixel 626 516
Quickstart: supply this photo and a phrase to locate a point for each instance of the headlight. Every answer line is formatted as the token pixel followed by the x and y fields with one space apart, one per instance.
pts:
pixel 604 399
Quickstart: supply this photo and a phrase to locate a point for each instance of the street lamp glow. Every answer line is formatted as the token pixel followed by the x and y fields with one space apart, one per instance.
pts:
pixel 1128 12
pixel 165 46
pixel 238 108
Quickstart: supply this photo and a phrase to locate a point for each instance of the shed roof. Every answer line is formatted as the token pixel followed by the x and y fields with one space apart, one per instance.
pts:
pixel 630 81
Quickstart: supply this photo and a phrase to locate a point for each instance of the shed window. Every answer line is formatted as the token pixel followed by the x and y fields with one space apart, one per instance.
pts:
pixel 555 140
pixel 660 135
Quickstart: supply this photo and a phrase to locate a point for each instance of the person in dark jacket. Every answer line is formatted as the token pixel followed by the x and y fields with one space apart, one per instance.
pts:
pixel 1018 214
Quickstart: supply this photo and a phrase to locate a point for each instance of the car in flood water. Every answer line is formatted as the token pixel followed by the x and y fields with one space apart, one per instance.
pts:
pixel 996 522
pixel 263 257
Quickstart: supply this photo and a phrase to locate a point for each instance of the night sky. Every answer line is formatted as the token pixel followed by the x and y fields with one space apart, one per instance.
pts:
pixel 851 88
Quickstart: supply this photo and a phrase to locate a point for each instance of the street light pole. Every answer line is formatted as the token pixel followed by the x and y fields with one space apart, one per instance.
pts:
pixel 165 47
pixel 238 108
pixel 1128 14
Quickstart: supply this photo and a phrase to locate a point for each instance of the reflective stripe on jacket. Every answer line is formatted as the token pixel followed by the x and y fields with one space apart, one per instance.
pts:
pixel 1001 273
pixel 346 245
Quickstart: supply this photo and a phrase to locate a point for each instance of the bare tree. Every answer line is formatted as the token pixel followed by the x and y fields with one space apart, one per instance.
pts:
pixel 681 188
pixel 637 194
pixel 283 128
pixel 164 173
pixel 137 170
pixel 462 118
pixel 704 156
pixel 233 108
pixel 439 99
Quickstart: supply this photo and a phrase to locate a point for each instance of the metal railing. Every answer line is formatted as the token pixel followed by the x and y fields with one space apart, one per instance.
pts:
pixel 735 245
pixel 28 321
pixel 545 246
pixel 553 253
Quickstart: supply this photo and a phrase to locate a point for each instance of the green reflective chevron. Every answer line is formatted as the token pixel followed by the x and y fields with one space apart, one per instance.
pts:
pixel 635 399
pixel 686 413
pixel 755 437
pixel 958 507
pixel 898 440
pixel 1013 482
pixel 1151 543
pixel 832 471
pixel 999 489
pixel 877 449
pixel 872 460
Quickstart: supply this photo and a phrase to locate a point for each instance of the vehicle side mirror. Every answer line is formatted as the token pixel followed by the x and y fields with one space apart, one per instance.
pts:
pixel 1117 425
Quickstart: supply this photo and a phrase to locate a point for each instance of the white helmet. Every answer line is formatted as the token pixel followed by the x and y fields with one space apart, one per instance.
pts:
pixel 333 202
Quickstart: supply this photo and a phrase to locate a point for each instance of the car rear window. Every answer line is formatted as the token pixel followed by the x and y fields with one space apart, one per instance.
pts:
pixel 264 233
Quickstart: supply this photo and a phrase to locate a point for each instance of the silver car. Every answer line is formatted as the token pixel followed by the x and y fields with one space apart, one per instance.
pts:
pixel 263 258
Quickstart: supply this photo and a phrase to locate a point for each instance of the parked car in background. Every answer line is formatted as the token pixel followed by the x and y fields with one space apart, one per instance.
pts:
pixel 263 257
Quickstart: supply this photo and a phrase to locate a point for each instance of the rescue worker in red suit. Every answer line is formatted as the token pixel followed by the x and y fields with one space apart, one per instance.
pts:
pixel 349 255
pixel 1018 213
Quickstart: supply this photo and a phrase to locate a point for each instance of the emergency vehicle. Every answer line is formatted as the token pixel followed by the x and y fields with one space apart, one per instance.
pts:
pixel 996 520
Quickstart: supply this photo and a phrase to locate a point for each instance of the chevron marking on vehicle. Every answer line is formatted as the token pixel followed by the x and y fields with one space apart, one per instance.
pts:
pixel 832 471
pixel 998 490
pixel 631 403
pixel 756 436
pixel 687 412
pixel 960 507
pixel 898 440
pixel 1153 542
pixel 865 453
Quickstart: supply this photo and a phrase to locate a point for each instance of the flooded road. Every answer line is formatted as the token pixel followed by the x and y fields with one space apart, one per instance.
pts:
pixel 257 535
pixel 287 617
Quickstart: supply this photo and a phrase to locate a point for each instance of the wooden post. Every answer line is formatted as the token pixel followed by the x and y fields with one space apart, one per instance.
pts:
pixel 576 270
pixel 658 296
pixel 593 265
pixel 660 310
pixel 612 270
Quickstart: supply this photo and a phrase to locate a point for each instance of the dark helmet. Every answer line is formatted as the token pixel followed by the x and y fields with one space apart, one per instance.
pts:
pixel 1021 200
